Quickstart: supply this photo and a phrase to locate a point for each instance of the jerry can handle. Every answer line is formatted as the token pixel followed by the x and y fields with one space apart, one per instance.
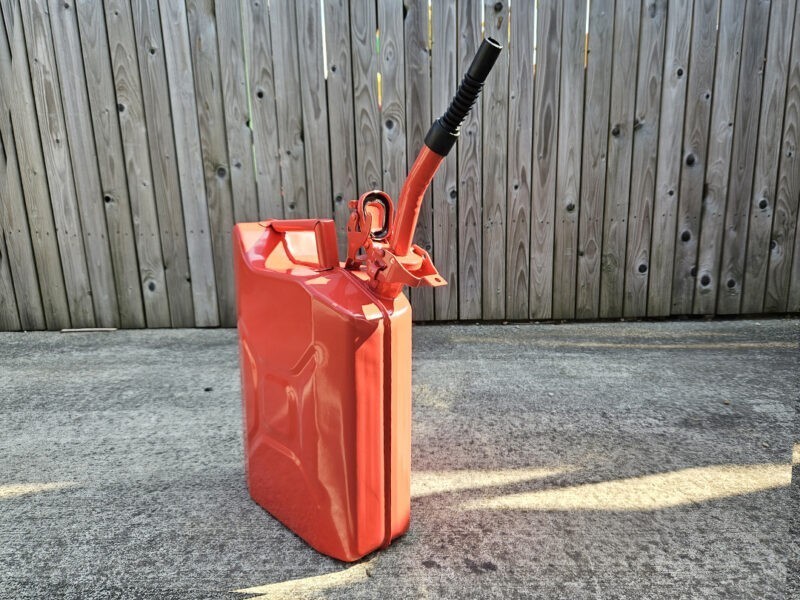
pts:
pixel 324 232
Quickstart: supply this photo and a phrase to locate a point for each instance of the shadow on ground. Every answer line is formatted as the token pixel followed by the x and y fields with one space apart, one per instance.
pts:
pixel 614 460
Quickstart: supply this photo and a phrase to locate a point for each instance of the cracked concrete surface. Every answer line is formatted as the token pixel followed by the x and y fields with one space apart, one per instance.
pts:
pixel 615 460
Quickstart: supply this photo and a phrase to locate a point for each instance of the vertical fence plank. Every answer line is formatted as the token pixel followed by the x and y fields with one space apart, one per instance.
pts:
pixel 392 70
pixel 748 105
pixel 470 221
pixel 214 149
pixel 89 193
pixel 166 185
pixel 314 103
pixel 291 136
pixel 568 162
pixel 545 139
pixel 520 141
pixel 767 148
pixel 341 118
pixel 9 316
pixel 57 160
pixel 130 107
pixel 263 119
pixel 620 148
pixel 787 197
pixel 190 167
pixel 595 146
pixel 673 107
pixel 643 164
pixel 233 79
pixel 494 123
pixel 723 110
pixel 110 160
pixel 695 145
pixel 13 220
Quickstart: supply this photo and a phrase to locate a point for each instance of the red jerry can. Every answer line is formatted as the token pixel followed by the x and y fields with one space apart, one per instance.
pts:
pixel 325 351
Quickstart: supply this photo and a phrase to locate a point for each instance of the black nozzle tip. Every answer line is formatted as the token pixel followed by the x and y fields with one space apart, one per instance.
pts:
pixel 484 60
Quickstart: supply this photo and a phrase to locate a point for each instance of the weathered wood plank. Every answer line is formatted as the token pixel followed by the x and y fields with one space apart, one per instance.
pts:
pixel 768 150
pixel 695 152
pixel 9 316
pixel 263 116
pixel 494 123
pixel 314 103
pixel 83 154
pixel 130 107
pixel 13 219
pixel 520 141
pixel 620 148
pixel 111 161
pixel 673 108
pixel 57 160
pixel 723 110
pixel 748 105
pixel 190 167
pixel 417 61
pixel 787 197
pixel 341 116
pixel 166 185
pixel 595 145
pixel 291 135
pixel 643 165
pixel 568 161
pixel 363 24
pixel 213 145
pixel 470 219
pixel 545 142
pixel 237 114
pixel 392 70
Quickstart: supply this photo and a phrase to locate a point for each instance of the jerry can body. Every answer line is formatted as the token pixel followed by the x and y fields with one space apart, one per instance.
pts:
pixel 326 389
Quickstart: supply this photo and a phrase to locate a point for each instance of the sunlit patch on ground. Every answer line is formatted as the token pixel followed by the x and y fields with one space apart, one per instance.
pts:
pixel 649 492
pixel 428 483
pixel 23 489
pixel 796 454
pixel 309 587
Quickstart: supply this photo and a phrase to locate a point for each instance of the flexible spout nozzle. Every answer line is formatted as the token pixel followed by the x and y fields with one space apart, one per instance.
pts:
pixel 440 139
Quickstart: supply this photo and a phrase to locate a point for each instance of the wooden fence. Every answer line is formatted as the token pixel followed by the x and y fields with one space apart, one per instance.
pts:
pixel 627 158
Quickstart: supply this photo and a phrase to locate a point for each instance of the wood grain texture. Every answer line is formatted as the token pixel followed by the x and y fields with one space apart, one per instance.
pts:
pixel 470 218
pixel 341 115
pixel 163 161
pixel 787 197
pixel 568 162
pixel 58 161
pixel 130 107
pixel 13 219
pixel 233 77
pixel 363 24
pixel 520 141
pixel 618 165
pixel 291 136
pixel 673 108
pixel 593 164
pixel 391 63
pixel 545 140
pixel 89 194
pixel 9 316
pixel 494 124
pixel 417 60
pixel 695 152
pixel 748 105
pixel 190 166
pixel 110 161
pixel 768 150
pixel 643 164
pixel 720 140
pixel 263 109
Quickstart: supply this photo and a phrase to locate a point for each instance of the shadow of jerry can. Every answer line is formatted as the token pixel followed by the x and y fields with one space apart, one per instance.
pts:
pixel 325 352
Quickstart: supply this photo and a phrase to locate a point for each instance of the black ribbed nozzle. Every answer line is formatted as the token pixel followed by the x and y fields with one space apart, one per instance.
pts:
pixel 443 133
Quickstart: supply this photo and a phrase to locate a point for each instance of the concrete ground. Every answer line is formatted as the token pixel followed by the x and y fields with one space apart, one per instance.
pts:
pixel 619 460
